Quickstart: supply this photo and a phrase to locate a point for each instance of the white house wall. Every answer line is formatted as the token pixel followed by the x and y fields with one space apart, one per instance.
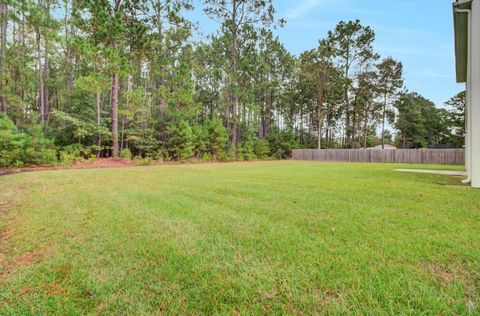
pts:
pixel 474 90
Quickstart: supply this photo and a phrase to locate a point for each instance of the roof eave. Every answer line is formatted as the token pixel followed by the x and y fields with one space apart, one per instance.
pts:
pixel 460 21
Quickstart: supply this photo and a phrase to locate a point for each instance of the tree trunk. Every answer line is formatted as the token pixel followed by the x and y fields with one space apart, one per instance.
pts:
pixel 365 130
pixel 46 73
pixel 22 51
pixel 319 134
pixel 383 119
pixel 267 115
pixel 99 123
pixel 234 99
pixel 327 134
pixel 353 130
pixel 320 115
pixel 3 52
pixel 114 101
pixel 69 32
pixel 261 127
pixel 41 99
pixel 234 96
pixel 129 89
pixel 347 105
pixel 301 127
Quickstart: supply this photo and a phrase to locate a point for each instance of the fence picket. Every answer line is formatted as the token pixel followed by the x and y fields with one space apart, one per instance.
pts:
pixel 422 156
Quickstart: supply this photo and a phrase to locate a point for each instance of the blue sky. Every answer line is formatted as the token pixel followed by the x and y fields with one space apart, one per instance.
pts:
pixel 418 33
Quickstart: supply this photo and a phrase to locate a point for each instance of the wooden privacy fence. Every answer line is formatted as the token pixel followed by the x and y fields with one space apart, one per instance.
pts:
pixel 422 156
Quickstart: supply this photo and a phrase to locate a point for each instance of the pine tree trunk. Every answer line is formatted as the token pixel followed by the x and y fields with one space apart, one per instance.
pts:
pixel 22 51
pixel 41 99
pixel 320 116
pixel 234 96
pixel 46 98
pixel 383 119
pixel 365 130
pixel 354 128
pixel 234 99
pixel 301 127
pixel 327 134
pixel 3 52
pixel 99 123
pixel 129 89
pixel 319 134
pixel 114 101
pixel 69 32
pixel 347 106
pixel 261 127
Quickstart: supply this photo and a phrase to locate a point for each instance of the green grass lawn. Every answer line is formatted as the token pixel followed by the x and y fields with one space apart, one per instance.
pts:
pixel 266 237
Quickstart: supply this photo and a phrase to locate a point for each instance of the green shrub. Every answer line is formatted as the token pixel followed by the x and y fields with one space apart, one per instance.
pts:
pixel 159 155
pixel 281 144
pixel 198 141
pixel 261 149
pixel 74 153
pixel 67 158
pixel 167 158
pixel 139 161
pixel 180 141
pixel 248 152
pixel 147 161
pixel 207 157
pixel 221 156
pixel 126 154
pixel 216 137
pixel 21 148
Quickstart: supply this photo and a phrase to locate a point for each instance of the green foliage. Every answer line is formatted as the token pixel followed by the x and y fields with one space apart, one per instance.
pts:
pixel 93 83
pixel 67 158
pixel 180 138
pixel 261 148
pixel 12 147
pixel 73 153
pixel 126 154
pixel 207 157
pixel 456 118
pixel 198 140
pixel 247 151
pixel 139 161
pixel 420 123
pixel 216 138
pixel 180 99
pixel 80 128
pixel 281 144
pixel 28 147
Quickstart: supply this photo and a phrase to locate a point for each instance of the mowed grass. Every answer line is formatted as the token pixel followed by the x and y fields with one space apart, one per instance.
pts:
pixel 250 238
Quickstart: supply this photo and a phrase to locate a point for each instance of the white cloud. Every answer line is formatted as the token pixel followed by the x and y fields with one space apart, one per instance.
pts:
pixel 304 6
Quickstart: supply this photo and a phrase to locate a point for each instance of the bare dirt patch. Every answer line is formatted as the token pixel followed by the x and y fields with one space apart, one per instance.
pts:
pixel 26 259
pixel 449 276
pixel 5 234
pixel 329 297
pixel 104 163
pixel 445 275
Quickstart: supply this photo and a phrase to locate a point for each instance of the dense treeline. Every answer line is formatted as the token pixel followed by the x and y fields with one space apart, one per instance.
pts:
pixel 83 78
